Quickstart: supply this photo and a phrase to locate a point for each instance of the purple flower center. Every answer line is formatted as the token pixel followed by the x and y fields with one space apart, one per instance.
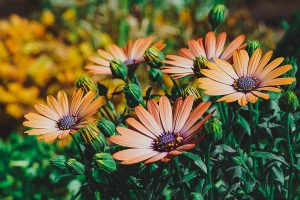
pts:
pixel 66 122
pixel 129 62
pixel 245 84
pixel 167 142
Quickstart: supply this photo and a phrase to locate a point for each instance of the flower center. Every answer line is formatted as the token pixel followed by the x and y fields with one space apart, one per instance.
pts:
pixel 66 122
pixel 245 84
pixel 167 142
pixel 129 62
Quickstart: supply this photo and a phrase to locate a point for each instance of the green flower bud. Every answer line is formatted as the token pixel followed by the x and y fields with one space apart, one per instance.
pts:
pixel 191 90
pixel 118 69
pixel 288 102
pixel 105 162
pixel 133 94
pixel 93 139
pixel 59 162
pixel 252 45
pixel 214 129
pixel 200 63
pixel 291 73
pixel 107 127
pixel 75 166
pixel 217 15
pixel 155 75
pixel 86 83
pixel 154 56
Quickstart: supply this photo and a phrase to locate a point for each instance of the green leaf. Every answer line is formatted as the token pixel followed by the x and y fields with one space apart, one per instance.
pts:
pixel 197 160
pixel 244 124
pixel 190 176
pixel 268 155
pixel 197 196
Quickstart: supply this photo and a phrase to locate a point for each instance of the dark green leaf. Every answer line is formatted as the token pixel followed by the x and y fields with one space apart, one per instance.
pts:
pixel 197 160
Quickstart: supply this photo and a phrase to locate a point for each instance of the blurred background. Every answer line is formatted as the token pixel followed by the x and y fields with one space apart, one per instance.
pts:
pixel 44 45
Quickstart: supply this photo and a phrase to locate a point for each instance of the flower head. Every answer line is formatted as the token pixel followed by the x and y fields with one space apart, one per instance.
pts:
pixel 131 54
pixel 60 117
pixel 160 131
pixel 187 62
pixel 246 78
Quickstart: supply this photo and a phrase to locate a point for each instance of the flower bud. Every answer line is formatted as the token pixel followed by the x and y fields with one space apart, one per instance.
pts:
pixel 191 90
pixel 93 139
pixel 107 127
pixel 155 75
pixel 252 46
pixel 291 73
pixel 200 63
pixel 86 83
pixel 59 162
pixel 214 129
pixel 217 15
pixel 288 102
pixel 75 166
pixel 154 56
pixel 105 162
pixel 133 94
pixel 118 69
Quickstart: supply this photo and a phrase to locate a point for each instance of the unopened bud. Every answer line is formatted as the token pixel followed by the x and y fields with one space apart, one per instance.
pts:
pixel 154 56
pixel 59 162
pixel 133 94
pixel 86 83
pixel 93 139
pixel 288 102
pixel 252 45
pixel 291 73
pixel 200 63
pixel 105 162
pixel 118 69
pixel 75 166
pixel 107 127
pixel 191 90
pixel 217 15
pixel 214 129
pixel 155 75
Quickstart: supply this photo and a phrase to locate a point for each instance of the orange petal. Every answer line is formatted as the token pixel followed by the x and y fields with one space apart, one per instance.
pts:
pixel 260 94
pixel 210 44
pixel 156 158
pixel 140 127
pixel 243 100
pixel 254 61
pixel 129 154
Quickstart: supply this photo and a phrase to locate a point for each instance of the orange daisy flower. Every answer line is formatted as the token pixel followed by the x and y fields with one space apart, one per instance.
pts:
pixel 160 132
pixel 60 118
pixel 131 54
pixel 245 80
pixel 185 63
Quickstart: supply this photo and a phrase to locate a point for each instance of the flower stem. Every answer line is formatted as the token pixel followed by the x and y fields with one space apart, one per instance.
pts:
pixel 222 116
pixel 183 195
pixel 78 146
pixel 209 179
pixel 290 155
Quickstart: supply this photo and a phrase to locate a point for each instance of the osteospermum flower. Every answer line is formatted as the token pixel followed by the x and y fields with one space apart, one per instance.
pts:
pixel 189 59
pixel 246 79
pixel 160 131
pixel 60 117
pixel 131 54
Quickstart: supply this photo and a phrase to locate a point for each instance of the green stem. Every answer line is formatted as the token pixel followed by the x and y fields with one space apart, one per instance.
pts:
pixel 222 116
pixel 209 179
pixel 290 155
pixel 78 146
pixel 183 195
pixel 87 172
